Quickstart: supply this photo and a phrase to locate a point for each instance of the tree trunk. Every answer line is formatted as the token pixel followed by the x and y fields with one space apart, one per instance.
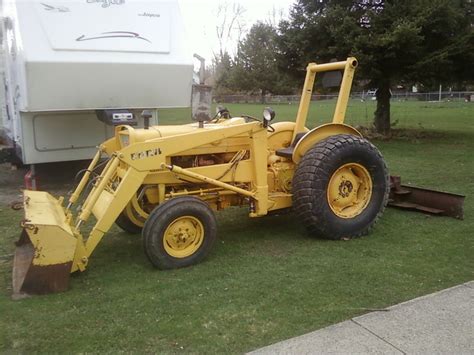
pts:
pixel 382 113
pixel 262 97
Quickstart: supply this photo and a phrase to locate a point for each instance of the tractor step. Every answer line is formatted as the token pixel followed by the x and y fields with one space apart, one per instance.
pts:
pixel 288 152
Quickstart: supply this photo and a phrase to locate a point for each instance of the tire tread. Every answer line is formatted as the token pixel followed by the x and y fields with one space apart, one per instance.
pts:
pixel 314 166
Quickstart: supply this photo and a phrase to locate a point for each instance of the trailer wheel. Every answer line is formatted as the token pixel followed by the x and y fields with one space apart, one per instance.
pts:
pixel 341 187
pixel 179 233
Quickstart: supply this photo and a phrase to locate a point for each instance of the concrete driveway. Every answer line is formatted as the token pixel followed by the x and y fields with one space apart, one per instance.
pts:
pixel 439 323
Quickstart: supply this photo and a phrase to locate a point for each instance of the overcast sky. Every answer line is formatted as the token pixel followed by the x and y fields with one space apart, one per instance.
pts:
pixel 201 19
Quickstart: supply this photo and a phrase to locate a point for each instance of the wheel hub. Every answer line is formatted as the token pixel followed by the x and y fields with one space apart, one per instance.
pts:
pixel 345 188
pixel 349 190
pixel 183 237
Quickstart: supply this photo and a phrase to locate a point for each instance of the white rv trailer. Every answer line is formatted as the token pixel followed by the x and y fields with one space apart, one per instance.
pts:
pixel 68 61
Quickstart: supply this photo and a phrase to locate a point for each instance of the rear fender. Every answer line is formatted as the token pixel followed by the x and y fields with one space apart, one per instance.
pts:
pixel 281 135
pixel 318 134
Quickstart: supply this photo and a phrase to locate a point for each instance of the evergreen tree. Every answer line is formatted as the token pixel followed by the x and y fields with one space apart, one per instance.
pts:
pixel 422 41
pixel 255 65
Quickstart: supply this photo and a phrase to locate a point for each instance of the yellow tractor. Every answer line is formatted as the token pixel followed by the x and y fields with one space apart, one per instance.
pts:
pixel 167 181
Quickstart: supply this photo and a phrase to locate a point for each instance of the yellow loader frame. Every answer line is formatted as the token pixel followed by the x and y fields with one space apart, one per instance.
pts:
pixel 257 170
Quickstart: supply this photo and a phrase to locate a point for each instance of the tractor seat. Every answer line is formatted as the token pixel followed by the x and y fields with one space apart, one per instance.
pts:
pixel 288 152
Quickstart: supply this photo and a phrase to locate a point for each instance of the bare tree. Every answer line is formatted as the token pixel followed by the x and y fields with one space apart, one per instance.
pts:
pixel 275 15
pixel 231 26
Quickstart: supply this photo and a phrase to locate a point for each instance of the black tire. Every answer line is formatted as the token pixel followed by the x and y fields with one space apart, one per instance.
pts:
pixel 163 216
pixel 312 177
pixel 127 225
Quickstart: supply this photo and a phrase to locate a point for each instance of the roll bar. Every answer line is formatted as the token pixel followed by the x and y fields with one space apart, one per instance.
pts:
pixel 348 66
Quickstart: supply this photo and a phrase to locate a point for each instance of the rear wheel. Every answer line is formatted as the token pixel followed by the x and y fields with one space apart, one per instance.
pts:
pixel 179 233
pixel 341 187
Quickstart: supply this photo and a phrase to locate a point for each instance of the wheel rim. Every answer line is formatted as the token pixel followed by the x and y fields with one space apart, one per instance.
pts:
pixel 136 213
pixel 137 206
pixel 183 237
pixel 349 190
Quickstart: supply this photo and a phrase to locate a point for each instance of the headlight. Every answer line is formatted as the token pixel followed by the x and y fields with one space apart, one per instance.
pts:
pixel 124 139
pixel 268 116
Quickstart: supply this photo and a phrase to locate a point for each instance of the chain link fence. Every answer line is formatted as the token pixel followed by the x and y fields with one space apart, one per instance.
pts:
pixel 460 96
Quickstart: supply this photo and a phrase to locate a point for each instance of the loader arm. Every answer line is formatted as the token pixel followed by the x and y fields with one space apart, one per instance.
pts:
pixel 141 159
pixel 59 235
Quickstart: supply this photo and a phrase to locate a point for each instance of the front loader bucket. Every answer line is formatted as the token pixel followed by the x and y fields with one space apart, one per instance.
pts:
pixel 45 251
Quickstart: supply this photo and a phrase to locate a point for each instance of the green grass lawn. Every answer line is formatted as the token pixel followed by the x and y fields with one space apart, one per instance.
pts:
pixel 266 280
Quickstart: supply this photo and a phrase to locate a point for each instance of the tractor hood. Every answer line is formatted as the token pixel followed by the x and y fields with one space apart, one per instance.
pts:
pixel 126 135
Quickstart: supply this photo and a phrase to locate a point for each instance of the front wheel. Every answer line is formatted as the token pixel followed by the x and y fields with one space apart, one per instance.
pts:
pixel 133 217
pixel 126 224
pixel 341 187
pixel 179 232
